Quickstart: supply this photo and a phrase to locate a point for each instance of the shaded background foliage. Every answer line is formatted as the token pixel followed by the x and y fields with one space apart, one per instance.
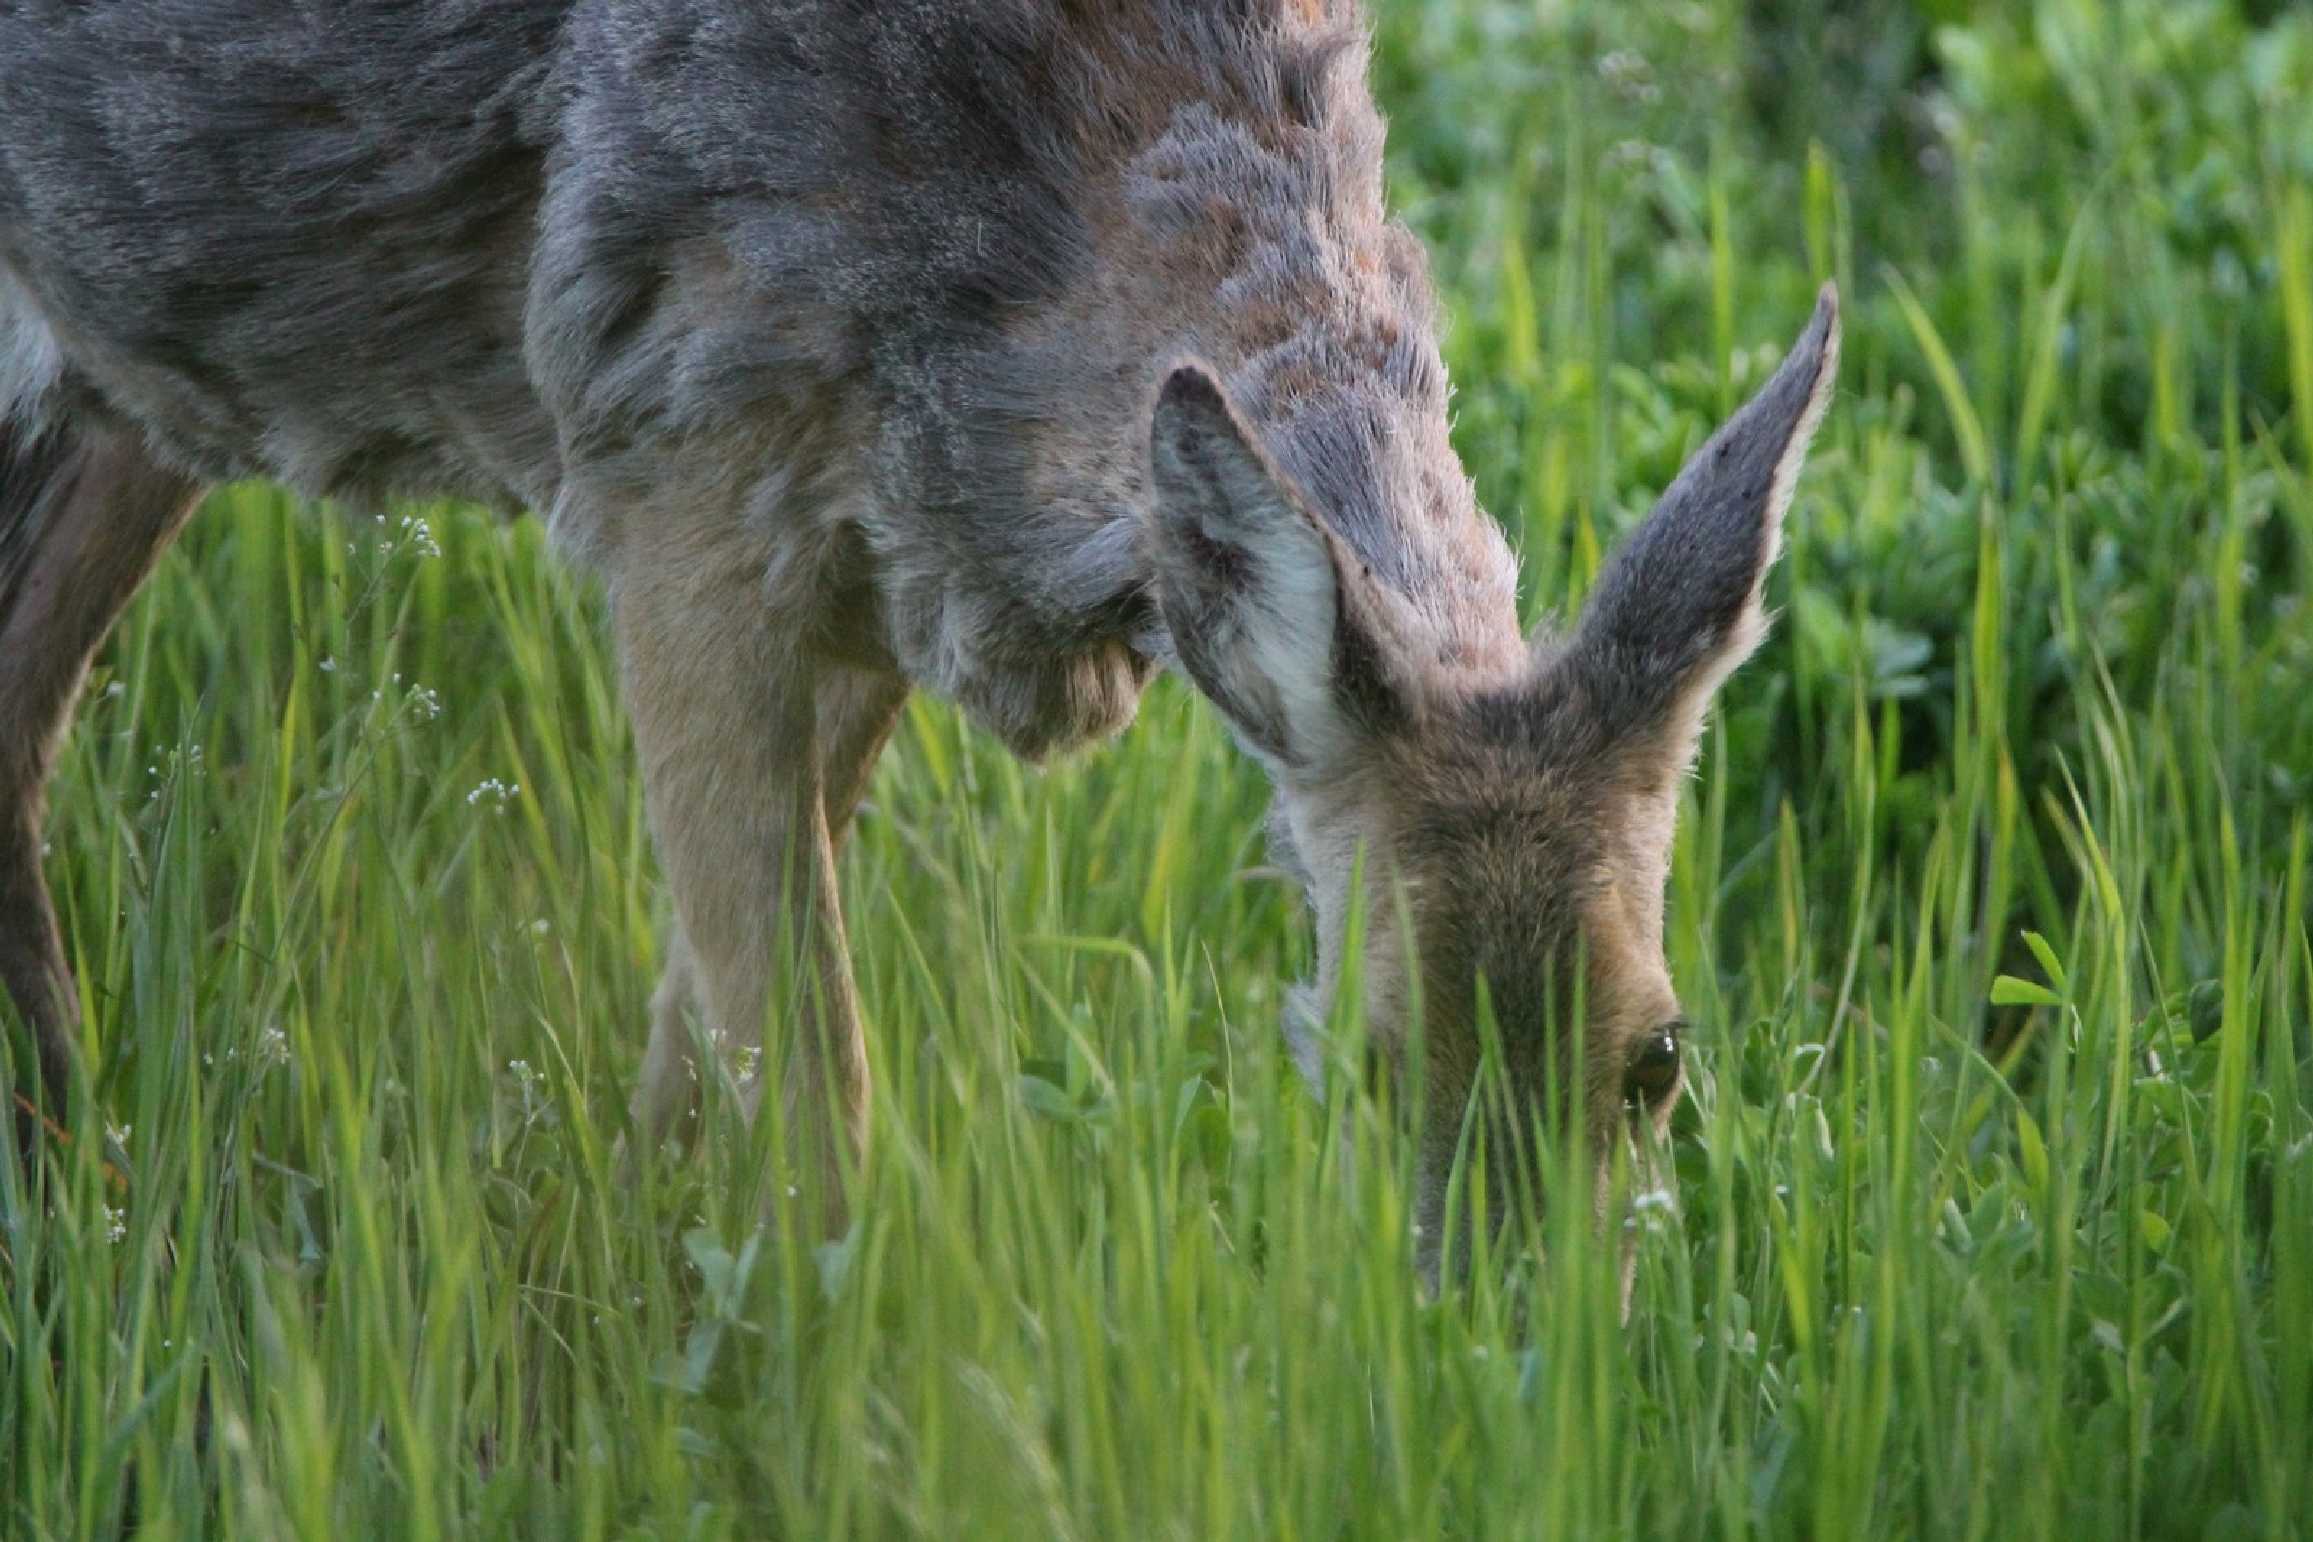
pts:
pixel 2095 212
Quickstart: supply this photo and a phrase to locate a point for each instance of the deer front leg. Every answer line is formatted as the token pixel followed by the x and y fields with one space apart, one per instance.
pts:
pixel 724 706
pixel 856 710
pixel 666 1093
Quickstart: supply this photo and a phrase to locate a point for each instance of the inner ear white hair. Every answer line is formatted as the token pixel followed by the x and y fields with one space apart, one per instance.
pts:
pixel 1251 586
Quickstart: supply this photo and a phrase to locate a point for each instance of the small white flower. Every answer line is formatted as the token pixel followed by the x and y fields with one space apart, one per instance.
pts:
pixel 541 926
pixel 532 1083
pixel 498 794
pixel 744 1062
pixel 420 535
pixel 115 1225
pixel 328 664
pixel 1650 1211
pixel 423 699
pixel 273 1046
pixel 114 689
pixel 118 1134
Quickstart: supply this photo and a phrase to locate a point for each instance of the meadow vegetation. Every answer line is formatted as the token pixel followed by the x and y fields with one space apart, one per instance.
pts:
pixel 1990 902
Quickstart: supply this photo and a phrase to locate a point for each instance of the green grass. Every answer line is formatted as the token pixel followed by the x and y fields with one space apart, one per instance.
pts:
pixel 1995 1212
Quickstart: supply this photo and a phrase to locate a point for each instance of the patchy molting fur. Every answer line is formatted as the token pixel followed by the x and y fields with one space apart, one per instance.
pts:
pixel 593 257
pixel 828 333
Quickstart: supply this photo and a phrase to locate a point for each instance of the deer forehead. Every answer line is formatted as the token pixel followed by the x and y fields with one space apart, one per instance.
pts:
pixel 1525 870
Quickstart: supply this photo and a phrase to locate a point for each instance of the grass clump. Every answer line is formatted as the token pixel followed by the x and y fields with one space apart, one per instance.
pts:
pixel 1995 1210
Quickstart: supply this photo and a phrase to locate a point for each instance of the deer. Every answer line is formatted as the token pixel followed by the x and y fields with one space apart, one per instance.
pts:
pixel 1010 350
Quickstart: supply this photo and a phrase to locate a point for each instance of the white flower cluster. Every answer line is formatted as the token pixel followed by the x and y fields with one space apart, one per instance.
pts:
pixel 532 1083
pixel 420 536
pixel 495 793
pixel 188 762
pixel 421 701
pixel 413 532
pixel 272 1049
pixel 1651 1211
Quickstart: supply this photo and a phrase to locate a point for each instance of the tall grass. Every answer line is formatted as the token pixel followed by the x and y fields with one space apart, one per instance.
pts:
pixel 1995 1199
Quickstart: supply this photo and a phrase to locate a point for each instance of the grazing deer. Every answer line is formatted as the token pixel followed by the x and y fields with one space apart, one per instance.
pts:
pixel 1013 349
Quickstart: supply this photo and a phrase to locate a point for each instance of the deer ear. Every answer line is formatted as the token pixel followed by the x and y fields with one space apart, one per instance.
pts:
pixel 1266 614
pixel 1678 604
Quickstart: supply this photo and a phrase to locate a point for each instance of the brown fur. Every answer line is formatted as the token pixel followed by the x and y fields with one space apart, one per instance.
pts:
pixel 104 514
pixel 1009 349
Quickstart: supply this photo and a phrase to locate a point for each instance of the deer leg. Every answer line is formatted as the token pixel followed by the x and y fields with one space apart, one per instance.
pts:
pixel 83 517
pixel 857 710
pixel 726 718
pixel 854 711
pixel 666 1093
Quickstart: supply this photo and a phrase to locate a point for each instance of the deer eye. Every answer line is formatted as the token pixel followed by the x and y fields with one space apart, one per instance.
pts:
pixel 1654 1069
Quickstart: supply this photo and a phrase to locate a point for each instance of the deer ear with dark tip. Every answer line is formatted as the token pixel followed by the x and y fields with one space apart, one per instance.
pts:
pixel 1678 605
pixel 1265 613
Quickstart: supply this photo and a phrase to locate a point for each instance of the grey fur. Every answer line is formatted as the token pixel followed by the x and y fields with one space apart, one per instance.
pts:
pixel 547 255
pixel 832 333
